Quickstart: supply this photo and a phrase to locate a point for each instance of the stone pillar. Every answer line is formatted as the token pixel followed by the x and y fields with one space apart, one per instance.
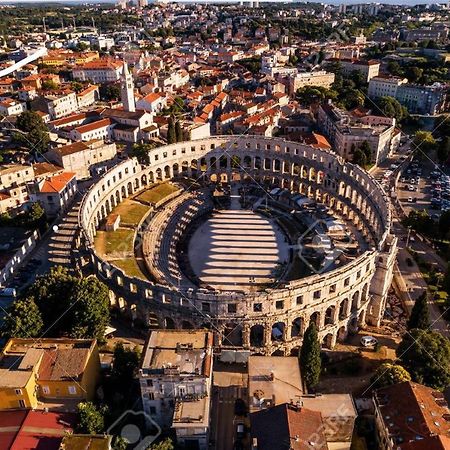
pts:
pixel 246 335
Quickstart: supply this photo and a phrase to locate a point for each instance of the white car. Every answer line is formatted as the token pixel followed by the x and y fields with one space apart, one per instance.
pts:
pixel 368 341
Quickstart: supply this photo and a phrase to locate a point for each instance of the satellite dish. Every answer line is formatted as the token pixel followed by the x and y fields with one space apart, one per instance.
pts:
pixel 55 228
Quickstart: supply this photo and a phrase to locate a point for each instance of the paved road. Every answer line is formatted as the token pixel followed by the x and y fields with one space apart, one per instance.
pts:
pixel 409 276
pixel 228 386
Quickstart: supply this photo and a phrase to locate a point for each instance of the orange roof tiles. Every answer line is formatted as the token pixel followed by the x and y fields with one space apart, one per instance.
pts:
pixel 57 183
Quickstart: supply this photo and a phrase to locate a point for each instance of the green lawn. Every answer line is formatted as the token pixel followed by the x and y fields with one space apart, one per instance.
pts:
pixel 131 212
pixel 114 242
pixel 157 193
pixel 130 267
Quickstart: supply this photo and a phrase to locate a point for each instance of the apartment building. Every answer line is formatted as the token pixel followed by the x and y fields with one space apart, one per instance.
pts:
pixel 384 85
pixel 54 193
pixel 11 107
pixel 88 96
pixel 368 69
pixel 409 416
pixel 348 130
pixel 100 71
pixel 80 157
pixel 175 379
pixel 422 99
pixel 32 372
pixel 13 186
pixel 57 104
pixel 319 78
pixel 99 129
pixel 416 98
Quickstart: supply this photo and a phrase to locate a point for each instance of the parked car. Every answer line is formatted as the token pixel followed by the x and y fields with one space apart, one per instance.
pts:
pixel 368 341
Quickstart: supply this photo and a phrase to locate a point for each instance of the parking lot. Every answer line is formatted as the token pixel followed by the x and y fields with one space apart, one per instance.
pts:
pixel 424 187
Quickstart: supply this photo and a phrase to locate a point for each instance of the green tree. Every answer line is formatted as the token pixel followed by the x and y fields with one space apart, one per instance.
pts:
pixel 112 92
pixel 391 107
pixel 34 134
pixel 167 444
pixel 310 361
pixel 395 68
pixel 420 315
pixel 30 120
pixel 425 355
pixel 83 310
pixel 359 158
pixel 126 362
pixel 89 313
pixel 178 132
pixel 90 419
pixel 388 374
pixel 49 85
pixel 367 150
pixel 23 319
pixel 141 152
pixel 308 95
pixel 120 443
pixel 424 142
pixel 414 74
pixel 171 134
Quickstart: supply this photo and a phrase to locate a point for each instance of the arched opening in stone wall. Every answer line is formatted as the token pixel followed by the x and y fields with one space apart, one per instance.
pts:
pixel 278 331
pixel 169 323
pixel 328 341
pixel 329 315
pixel 232 335
pixel 315 317
pixel 343 308
pixel 297 327
pixel 186 325
pixel 342 334
pixel 257 335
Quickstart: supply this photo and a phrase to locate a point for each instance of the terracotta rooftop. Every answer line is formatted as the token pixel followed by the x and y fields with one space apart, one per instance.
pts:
pixel 287 427
pixel 57 183
pixel 412 412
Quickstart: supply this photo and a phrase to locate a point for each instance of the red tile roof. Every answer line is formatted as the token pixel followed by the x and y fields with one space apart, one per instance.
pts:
pixel 57 183
pixel 29 430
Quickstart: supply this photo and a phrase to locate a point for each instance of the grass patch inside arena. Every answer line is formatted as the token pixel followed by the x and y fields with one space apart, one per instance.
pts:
pixel 131 212
pixel 119 242
pixel 130 267
pixel 156 193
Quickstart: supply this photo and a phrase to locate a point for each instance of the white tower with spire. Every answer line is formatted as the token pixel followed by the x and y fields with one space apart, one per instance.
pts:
pixel 127 93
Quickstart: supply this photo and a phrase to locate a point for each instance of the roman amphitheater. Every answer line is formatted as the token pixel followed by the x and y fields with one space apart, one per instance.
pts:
pixel 251 237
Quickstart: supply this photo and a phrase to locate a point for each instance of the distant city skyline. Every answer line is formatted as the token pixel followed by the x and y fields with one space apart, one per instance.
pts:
pixel 332 2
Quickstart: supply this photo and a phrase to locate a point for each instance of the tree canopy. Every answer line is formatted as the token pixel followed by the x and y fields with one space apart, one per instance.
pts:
pixel 391 107
pixel 310 361
pixel 420 315
pixel 23 319
pixel 388 374
pixel 90 419
pixel 34 134
pixel 83 310
pixel 425 355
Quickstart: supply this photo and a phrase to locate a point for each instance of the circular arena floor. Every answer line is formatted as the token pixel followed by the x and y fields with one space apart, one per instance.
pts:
pixel 237 249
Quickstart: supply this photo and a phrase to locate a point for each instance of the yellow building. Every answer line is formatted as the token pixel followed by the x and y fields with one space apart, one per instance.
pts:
pixel 32 372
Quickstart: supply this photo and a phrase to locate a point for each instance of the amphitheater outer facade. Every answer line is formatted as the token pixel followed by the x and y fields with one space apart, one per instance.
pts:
pixel 339 301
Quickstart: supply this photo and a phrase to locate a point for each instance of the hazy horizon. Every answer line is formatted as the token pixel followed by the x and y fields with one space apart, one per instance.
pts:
pixel 80 2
